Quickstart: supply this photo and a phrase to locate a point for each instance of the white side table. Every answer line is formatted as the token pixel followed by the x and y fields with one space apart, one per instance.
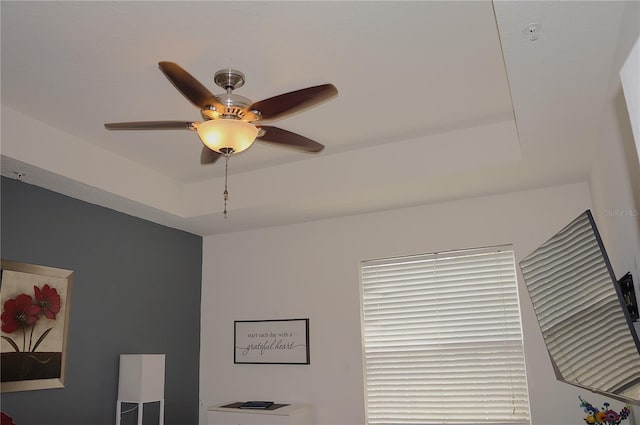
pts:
pixel 140 410
pixel 292 414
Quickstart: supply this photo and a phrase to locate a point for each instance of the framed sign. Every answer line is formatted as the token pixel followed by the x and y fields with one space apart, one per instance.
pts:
pixel 35 304
pixel 271 341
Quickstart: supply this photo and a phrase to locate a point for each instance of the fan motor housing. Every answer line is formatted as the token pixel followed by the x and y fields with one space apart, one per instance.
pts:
pixel 235 106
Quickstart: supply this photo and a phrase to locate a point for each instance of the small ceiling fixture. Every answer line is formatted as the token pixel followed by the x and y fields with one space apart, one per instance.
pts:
pixel 533 31
pixel 229 125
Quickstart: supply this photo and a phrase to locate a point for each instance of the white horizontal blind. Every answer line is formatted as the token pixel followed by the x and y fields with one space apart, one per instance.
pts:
pixel 579 313
pixel 443 340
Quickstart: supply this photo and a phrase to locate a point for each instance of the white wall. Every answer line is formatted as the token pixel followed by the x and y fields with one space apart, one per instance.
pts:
pixel 615 176
pixel 312 270
pixel 630 78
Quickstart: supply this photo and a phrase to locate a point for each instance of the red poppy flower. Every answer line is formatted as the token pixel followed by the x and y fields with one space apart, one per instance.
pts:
pixel 49 300
pixel 18 312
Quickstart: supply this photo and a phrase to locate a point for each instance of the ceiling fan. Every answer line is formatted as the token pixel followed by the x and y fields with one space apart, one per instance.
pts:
pixel 231 122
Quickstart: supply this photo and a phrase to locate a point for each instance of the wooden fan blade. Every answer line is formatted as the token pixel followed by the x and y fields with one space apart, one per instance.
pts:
pixel 150 125
pixel 288 139
pixel 279 106
pixel 191 88
pixel 208 156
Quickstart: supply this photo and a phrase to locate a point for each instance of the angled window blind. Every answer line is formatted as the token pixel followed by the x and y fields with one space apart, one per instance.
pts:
pixel 442 339
pixel 579 312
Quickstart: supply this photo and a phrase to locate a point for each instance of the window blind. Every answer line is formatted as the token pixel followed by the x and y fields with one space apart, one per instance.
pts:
pixel 579 312
pixel 442 340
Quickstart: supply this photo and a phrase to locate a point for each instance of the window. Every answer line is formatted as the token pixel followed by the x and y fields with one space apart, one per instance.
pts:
pixel 442 339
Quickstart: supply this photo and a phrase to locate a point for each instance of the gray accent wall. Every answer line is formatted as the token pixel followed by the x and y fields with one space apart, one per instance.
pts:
pixel 136 289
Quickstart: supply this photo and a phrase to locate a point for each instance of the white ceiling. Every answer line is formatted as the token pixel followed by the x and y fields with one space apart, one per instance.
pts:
pixel 437 101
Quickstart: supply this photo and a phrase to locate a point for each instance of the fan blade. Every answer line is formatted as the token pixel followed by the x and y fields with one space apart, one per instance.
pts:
pixel 288 139
pixel 150 125
pixel 208 156
pixel 191 88
pixel 278 106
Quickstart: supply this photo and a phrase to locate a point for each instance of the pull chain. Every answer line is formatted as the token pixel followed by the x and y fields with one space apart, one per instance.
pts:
pixel 226 192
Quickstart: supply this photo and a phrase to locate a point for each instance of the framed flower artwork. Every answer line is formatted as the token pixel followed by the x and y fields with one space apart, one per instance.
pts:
pixel 35 304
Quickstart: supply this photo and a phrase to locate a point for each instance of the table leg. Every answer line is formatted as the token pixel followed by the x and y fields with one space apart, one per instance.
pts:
pixel 140 410
pixel 118 411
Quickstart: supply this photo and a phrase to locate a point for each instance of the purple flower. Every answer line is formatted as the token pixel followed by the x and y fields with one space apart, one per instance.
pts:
pixel 625 412
pixel 612 415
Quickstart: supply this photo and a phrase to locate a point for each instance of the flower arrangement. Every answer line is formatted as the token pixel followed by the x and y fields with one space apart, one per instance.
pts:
pixel 23 313
pixel 606 416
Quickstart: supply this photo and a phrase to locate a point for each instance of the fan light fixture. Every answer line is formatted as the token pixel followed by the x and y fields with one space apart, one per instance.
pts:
pixel 227 135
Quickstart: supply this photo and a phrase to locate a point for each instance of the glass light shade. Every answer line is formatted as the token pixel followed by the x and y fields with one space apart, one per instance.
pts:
pixel 227 133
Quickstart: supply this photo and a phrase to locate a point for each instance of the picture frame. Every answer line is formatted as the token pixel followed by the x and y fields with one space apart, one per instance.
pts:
pixel 36 303
pixel 283 341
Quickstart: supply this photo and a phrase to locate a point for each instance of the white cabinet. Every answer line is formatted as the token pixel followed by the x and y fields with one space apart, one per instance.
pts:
pixel 292 414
